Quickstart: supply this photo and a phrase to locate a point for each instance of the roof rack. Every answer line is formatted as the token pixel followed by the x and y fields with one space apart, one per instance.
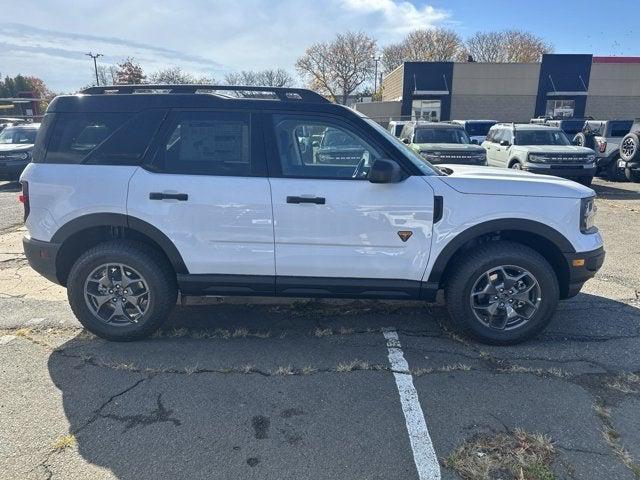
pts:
pixel 283 94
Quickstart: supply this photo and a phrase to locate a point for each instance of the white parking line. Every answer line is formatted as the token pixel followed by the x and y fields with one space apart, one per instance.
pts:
pixel 424 455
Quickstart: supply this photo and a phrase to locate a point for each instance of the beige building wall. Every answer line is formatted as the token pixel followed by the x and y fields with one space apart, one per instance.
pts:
pixel 392 85
pixel 381 112
pixel 499 91
pixel 614 91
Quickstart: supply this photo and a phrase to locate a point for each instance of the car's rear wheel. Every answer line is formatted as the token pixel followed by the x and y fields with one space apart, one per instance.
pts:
pixel 614 172
pixel 501 293
pixel 630 147
pixel 122 291
pixel 632 175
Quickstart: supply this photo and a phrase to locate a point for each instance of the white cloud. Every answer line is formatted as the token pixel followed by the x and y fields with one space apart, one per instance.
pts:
pixel 202 36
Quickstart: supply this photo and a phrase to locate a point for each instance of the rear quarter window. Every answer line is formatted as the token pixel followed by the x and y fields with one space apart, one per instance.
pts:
pixel 101 138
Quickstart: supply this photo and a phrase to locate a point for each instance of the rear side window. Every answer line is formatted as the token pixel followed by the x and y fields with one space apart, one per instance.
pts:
pixel 76 135
pixel 208 143
pixel 620 128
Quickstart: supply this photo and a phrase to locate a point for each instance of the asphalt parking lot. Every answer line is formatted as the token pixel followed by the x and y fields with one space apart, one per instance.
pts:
pixel 248 389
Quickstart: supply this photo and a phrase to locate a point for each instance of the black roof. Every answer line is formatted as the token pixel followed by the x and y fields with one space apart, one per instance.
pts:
pixel 134 98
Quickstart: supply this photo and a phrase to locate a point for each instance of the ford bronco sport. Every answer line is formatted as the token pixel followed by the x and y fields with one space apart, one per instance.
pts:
pixel 442 142
pixel 137 193
pixel 539 149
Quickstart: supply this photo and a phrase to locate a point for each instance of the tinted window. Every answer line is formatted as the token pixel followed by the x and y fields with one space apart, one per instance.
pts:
pixel 207 143
pixel 319 148
pixel 76 135
pixel 620 128
pixel 541 137
pixel 18 136
pixel 129 143
pixel 440 135
pixel 478 128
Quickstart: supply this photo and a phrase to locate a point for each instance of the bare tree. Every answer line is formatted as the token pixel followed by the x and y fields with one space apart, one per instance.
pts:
pixel 340 67
pixel 175 76
pixel 262 78
pixel 427 44
pixel 107 74
pixel 506 46
pixel 129 72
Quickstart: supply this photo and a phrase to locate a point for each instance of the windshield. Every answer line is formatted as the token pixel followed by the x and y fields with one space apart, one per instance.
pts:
pixel 424 166
pixel 541 137
pixel 16 135
pixel 440 135
pixel 478 128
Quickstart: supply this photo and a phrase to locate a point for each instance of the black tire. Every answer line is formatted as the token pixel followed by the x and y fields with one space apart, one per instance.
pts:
pixel 613 172
pixel 586 181
pixel 583 139
pixel 516 165
pixel 159 280
pixel 469 269
pixel 632 175
pixel 630 147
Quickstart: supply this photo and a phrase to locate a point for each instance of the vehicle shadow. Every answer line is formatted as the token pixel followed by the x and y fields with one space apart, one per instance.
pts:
pixel 10 187
pixel 609 192
pixel 165 407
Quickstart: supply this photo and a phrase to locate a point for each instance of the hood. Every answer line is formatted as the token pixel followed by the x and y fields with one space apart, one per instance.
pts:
pixel 449 147
pixel 15 147
pixel 556 149
pixel 504 181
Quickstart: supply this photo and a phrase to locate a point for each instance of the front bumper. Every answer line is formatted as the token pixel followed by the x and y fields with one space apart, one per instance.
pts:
pixel 582 267
pixel 568 171
pixel 42 257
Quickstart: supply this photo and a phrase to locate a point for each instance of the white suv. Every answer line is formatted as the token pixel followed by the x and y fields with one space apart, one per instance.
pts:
pixel 137 193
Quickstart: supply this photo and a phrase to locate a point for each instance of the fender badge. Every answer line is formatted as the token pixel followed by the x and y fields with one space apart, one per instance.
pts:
pixel 405 234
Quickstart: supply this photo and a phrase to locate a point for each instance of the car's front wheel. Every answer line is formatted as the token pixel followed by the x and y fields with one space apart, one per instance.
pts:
pixel 501 293
pixel 121 290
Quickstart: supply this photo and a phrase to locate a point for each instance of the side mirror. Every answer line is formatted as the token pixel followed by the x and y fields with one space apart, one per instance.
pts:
pixel 406 141
pixel 504 143
pixel 315 144
pixel 385 171
pixel 475 142
pixel 576 142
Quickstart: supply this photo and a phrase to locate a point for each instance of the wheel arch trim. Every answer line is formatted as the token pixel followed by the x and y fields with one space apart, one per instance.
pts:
pixel 120 220
pixel 492 226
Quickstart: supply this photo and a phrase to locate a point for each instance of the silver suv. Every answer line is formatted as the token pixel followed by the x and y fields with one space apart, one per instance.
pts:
pixel 539 149
pixel 605 137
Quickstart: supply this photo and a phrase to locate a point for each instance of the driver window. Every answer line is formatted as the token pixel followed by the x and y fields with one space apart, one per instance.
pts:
pixel 319 148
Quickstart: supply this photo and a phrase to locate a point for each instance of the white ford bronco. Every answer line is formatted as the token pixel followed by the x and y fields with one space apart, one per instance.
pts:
pixel 138 193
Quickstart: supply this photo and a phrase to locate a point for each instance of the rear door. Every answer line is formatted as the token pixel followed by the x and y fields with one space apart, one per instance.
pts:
pixel 334 230
pixel 205 187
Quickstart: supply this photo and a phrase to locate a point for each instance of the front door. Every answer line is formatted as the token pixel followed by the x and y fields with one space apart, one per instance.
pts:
pixel 206 189
pixel 332 226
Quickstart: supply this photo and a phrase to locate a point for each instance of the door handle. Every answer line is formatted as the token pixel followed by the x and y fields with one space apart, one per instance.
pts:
pixel 316 200
pixel 183 197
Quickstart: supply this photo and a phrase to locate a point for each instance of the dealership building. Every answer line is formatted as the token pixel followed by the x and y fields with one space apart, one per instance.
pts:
pixel 559 86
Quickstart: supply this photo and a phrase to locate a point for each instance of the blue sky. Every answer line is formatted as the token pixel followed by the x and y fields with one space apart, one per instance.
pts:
pixel 212 37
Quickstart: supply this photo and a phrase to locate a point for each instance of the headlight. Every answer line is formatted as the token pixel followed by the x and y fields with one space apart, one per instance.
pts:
pixel 590 158
pixel 535 158
pixel 588 211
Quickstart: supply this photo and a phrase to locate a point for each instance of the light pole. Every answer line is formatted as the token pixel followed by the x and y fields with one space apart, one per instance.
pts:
pixel 95 64
pixel 375 75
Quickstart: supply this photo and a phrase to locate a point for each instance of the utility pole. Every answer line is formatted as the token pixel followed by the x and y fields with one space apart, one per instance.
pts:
pixel 95 64
pixel 376 59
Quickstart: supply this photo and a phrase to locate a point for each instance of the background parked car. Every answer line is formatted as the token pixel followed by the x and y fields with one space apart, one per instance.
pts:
pixel 16 146
pixel 7 122
pixel 441 142
pixel 630 153
pixel 476 129
pixel 396 126
pixel 539 149
pixel 605 137
pixel 570 126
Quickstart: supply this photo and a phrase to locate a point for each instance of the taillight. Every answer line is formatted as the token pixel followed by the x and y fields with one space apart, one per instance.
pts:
pixel 24 199
pixel 602 145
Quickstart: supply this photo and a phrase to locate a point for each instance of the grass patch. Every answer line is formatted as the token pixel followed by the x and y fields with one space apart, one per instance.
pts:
pixel 519 455
pixel 64 442
pixel 322 332
pixel 284 370
pixel 351 366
